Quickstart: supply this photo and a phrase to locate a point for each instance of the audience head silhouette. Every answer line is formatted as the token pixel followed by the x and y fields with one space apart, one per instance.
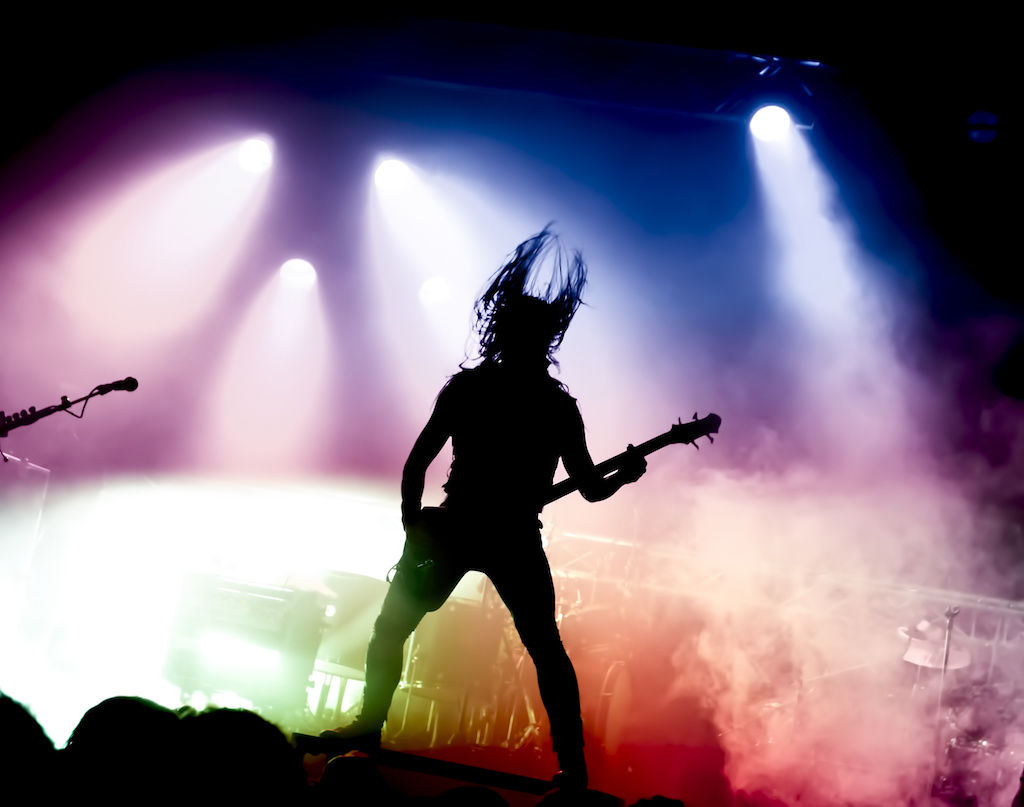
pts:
pixel 25 750
pixel 124 748
pixel 238 756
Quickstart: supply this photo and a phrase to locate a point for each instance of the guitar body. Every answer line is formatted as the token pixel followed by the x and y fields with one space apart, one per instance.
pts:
pixel 428 562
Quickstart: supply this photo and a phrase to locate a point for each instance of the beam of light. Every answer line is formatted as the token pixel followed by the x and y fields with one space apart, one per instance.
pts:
pixel 852 383
pixel 433 255
pixel 268 406
pixel 425 267
pixel 770 123
pixel 150 259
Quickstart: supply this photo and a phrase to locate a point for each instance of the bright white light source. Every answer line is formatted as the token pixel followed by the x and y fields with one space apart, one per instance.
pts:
pixel 223 651
pixel 770 123
pixel 298 273
pixel 435 290
pixel 392 174
pixel 255 155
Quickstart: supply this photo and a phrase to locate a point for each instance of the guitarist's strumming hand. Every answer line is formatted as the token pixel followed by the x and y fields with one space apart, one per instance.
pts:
pixel 410 514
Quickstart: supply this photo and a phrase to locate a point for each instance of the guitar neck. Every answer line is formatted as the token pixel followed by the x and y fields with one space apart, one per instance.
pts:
pixel 567 486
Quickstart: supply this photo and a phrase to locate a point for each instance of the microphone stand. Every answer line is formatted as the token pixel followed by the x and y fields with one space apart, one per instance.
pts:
pixel 26 417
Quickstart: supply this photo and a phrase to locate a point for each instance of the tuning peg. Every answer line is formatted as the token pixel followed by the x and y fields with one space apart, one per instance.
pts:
pixel 711 439
pixel 694 415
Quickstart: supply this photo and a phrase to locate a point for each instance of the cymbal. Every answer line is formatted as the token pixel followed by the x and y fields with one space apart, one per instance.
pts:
pixel 926 647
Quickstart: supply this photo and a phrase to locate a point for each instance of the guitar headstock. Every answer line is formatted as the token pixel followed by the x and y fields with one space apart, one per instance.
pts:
pixel 693 430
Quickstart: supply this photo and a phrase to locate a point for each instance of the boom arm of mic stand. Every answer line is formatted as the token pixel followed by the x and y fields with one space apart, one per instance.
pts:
pixel 25 417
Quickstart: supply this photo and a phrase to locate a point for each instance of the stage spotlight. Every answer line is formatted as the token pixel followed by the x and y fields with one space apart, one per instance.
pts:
pixel 255 155
pixel 298 273
pixel 435 290
pixel 770 123
pixel 391 174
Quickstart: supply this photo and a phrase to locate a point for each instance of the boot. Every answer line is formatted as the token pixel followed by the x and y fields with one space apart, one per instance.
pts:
pixel 359 735
pixel 572 770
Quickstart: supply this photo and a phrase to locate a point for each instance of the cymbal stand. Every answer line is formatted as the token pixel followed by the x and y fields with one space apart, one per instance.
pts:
pixel 520 724
pixel 950 614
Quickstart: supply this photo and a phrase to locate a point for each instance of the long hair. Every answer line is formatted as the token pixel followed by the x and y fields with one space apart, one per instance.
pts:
pixel 514 313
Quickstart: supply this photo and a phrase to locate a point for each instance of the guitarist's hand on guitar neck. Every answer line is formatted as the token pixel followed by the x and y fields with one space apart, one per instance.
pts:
pixel 634 465
pixel 630 465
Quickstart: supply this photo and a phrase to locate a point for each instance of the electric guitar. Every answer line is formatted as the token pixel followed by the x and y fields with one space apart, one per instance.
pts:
pixel 429 541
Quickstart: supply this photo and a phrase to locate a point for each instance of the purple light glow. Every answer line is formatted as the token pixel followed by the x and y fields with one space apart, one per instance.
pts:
pixel 268 407
pixel 151 259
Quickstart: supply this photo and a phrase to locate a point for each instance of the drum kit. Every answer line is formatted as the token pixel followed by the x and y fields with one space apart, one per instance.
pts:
pixel 979 751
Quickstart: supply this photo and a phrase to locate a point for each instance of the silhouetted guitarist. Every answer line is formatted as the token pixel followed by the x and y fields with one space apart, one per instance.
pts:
pixel 509 422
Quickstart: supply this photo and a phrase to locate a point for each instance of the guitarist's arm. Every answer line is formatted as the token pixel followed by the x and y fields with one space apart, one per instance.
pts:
pixel 580 465
pixel 427 446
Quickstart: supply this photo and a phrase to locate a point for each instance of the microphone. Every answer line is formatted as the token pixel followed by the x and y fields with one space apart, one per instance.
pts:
pixel 128 384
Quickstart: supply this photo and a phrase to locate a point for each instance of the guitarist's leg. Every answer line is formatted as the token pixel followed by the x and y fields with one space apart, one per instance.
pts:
pixel 399 615
pixel 398 618
pixel 523 580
